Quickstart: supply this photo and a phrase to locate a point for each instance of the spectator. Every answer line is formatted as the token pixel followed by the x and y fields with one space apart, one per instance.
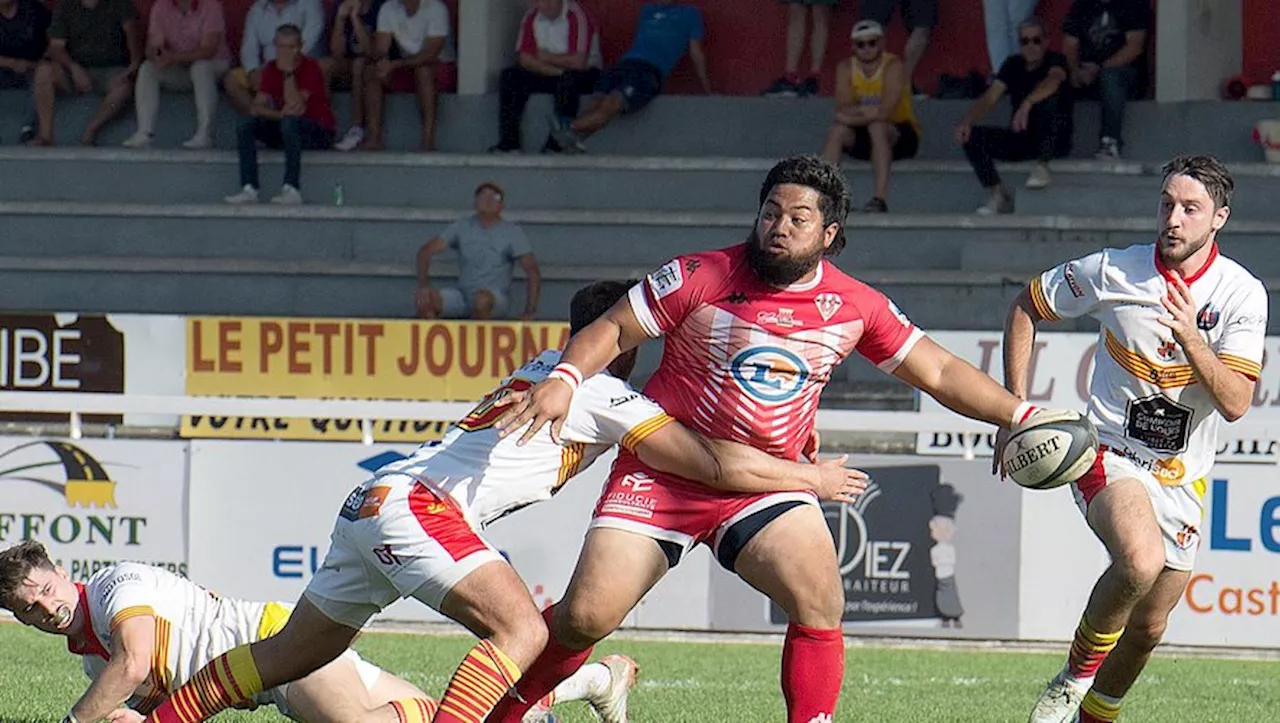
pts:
pixel 258 47
pixel 94 45
pixel 1104 41
pixel 918 15
pixel 665 32
pixel 874 116
pixel 792 84
pixel 186 51
pixel 413 41
pixel 1041 125
pixel 24 36
pixel 351 45
pixel 488 246
pixel 559 47
pixel 291 111
pixel 1003 20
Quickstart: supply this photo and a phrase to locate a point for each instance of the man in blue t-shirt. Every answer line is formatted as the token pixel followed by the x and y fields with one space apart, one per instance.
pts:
pixel 665 32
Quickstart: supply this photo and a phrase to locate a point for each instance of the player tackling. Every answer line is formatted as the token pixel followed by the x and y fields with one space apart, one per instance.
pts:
pixel 752 334
pixel 411 531
pixel 1180 349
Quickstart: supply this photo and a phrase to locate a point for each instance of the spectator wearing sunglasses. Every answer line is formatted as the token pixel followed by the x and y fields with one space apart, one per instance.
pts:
pixel 488 247
pixel 874 118
pixel 1104 42
pixel 1034 80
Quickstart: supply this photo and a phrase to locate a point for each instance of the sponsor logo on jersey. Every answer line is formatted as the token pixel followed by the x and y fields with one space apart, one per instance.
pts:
pixel 784 318
pixel 770 374
pixel 898 313
pixel 1068 273
pixel 666 280
pixel 828 304
pixel 1208 317
pixel 619 401
pixel 1169 472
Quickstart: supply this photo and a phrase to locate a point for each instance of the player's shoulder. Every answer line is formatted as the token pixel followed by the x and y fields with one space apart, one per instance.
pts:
pixel 846 288
pixel 703 270
pixel 112 579
pixel 1239 275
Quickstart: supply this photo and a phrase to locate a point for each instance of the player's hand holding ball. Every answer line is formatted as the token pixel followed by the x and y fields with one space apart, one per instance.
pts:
pixel 1050 448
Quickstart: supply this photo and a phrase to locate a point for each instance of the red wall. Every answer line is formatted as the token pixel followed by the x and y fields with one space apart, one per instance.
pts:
pixel 1261 40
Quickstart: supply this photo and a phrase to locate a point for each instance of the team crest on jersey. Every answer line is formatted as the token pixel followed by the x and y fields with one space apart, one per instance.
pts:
pixel 770 374
pixel 666 280
pixel 828 304
pixel 1167 350
pixel 1188 537
pixel 1208 317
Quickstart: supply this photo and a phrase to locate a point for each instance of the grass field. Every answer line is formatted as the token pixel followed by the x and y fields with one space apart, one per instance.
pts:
pixel 701 683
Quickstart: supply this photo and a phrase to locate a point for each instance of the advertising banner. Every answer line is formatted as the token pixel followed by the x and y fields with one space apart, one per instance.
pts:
pixel 91 353
pixel 262 515
pixel 440 361
pixel 929 549
pixel 96 502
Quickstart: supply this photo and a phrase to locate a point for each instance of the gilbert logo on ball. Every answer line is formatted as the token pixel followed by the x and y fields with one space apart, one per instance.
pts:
pixel 1050 449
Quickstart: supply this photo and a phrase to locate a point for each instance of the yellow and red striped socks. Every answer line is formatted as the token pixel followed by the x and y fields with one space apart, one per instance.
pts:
pixel 484 677
pixel 1100 707
pixel 1088 650
pixel 228 680
pixel 414 710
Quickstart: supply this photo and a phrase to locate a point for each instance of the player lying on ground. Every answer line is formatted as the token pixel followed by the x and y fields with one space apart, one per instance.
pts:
pixel 410 531
pixel 1181 347
pixel 753 333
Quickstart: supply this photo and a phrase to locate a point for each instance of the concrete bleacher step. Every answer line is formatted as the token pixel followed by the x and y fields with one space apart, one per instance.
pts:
pixel 1257 252
pixel 588 182
pixel 708 126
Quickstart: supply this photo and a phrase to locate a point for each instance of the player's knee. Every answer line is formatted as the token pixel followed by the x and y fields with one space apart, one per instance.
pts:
pixel 879 131
pixel 482 303
pixel 1142 566
pixel 579 625
pixel 1145 634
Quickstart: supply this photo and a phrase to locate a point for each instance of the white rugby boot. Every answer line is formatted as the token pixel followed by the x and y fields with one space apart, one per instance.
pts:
pixel 1059 703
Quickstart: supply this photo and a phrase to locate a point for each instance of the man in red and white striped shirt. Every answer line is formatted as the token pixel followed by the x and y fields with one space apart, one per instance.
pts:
pixel 559 47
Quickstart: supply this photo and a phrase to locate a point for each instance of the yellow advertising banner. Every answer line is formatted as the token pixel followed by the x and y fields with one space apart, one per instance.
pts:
pixel 434 361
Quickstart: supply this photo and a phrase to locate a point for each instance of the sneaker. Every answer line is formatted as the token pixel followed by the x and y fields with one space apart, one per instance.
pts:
pixel 875 205
pixel 1059 703
pixel 1039 177
pixel 809 86
pixel 198 142
pixel 27 133
pixel 781 88
pixel 1108 149
pixel 138 140
pixel 611 704
pixel 998 202
pixel 288 196
pixel 350 139
pixel 568 141
pixel 248 194
pixel 551 146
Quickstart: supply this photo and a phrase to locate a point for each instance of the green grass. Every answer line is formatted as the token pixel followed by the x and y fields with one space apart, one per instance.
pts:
pixel 701 683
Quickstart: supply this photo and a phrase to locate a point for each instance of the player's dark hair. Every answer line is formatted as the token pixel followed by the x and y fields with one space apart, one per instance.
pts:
pixel 826 179
pixel 16 563
pixel 1209 171
pixel 591 302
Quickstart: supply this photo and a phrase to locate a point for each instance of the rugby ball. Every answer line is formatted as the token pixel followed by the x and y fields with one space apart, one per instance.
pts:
pixel 1050 449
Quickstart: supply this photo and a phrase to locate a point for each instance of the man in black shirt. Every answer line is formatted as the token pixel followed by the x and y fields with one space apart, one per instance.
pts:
pixel 24 35
pixel 1041 124
pixel 1104 42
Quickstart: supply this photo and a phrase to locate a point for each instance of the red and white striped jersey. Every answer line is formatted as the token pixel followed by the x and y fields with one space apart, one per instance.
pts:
pixel 573 32
pixel 746 361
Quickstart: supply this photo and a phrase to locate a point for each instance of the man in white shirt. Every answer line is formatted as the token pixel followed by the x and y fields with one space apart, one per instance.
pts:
pixel 257 45
pixel 413 50
pixel 559 53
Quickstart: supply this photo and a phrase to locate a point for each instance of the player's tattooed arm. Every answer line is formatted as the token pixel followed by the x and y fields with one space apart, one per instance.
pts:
pixel 733 467
pixel 131 647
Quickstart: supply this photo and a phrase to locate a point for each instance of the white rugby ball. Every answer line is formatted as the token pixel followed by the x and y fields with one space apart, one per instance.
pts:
pixel 1051 449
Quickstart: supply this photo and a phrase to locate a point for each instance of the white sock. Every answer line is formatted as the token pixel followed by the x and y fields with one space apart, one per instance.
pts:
pixel 591 679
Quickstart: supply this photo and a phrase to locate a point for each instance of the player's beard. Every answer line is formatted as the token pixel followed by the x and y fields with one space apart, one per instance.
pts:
pixel 1183 251
pixel 783 269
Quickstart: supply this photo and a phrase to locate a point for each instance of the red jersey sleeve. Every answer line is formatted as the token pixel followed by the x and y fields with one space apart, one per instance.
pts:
pixel 527 42
pixel 669 294
pixel 887 334
pixel 272 82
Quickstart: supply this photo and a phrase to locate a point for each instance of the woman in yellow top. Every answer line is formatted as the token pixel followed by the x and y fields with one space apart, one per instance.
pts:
pixel 874 119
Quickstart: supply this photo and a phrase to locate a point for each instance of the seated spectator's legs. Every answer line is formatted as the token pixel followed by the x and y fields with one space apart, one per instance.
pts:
pixel 249 131
pixel 571 86
pixel 296 134
pixel 1002 18
pixel 1115 86
pixel 918 15
pixel 201 77
pixel 374 95
pixel 839 137
pixel 482 303
pixel 882 143
pixel 515 85
pixel 1050 125
pixel 14 80
pixel 625 88
pixel 49 79
pixel 204 75
pixel 424 87
pixel 116 88
pixel 448 302
pixel 240 87
pixel 347 73
pixel 146 102
pixel 883 137
pixel 988 144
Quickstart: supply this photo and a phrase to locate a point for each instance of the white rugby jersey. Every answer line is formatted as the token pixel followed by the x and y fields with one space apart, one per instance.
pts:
pixel 488 476
pixel 193 625
pixel 1144 396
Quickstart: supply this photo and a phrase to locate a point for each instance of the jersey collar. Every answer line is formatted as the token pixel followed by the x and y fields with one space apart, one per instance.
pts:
pixel 87 643
pixel 1168 274
pixel 812 283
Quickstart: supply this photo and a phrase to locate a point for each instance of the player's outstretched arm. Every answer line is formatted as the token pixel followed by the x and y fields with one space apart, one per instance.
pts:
pixel 133 640
pixel 589 352
pixel 957 384
pixel 1019 339
pixel 734 467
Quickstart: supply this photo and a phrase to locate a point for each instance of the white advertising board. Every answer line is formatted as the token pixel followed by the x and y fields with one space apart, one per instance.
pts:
pixel 96 502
